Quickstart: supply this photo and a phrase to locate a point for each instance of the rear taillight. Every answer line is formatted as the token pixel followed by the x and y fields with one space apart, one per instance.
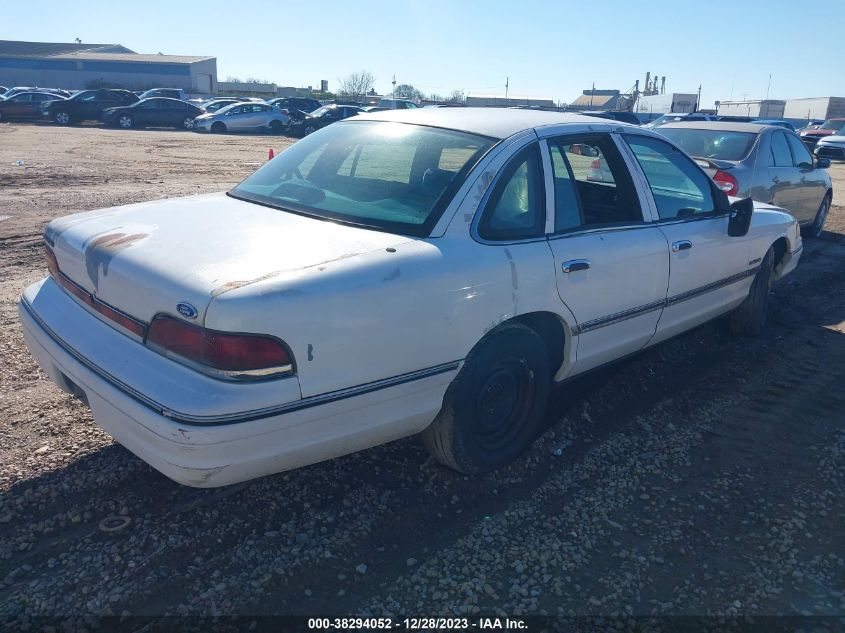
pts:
pixel 226 355
pixel 123 320
pixel 726 183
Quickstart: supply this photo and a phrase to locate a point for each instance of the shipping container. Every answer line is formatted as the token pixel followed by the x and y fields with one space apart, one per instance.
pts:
pixel 666 103
pixel 815 108
pixel 758 109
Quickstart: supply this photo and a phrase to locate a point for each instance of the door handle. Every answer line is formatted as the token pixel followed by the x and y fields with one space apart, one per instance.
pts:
pixel 681 245
pixel 776 180
pixel 572 265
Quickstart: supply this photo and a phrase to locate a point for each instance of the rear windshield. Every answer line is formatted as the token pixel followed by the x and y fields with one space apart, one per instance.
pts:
pixel 390 176
pixel 718 144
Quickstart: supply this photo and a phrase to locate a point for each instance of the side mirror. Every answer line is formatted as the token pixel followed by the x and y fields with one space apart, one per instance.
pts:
pixel 739 220
pixel 822 163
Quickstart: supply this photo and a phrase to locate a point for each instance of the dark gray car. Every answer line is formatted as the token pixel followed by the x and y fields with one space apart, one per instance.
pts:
pixel 764 162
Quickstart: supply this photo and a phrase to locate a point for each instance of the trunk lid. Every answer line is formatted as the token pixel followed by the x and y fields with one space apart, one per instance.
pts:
pixel 146 258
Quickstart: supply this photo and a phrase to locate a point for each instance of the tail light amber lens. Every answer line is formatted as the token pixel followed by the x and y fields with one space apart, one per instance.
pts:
pixel 246 356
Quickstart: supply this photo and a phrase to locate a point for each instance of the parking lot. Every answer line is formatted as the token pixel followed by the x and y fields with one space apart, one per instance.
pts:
pixel 705 476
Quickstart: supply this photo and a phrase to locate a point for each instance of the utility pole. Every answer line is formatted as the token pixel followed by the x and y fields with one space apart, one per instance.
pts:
pixel 507 86
pixel 393 94
pixel 769 86
pixel 698 103
pixel 592 92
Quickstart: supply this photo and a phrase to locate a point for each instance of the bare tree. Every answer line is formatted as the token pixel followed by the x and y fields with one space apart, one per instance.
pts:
pixel 356 84
pixel 457 97
pixel 407 91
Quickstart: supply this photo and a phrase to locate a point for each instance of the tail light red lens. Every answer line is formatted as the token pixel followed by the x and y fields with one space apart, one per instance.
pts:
pixel 726 183
pixel 225 354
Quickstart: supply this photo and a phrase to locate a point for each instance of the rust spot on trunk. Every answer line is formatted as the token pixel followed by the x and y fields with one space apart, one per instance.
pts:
pixel 100 251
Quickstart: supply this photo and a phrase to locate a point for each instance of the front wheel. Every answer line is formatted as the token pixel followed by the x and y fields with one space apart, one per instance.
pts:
pixel 817 227
pixel 62 118
pixel 188 123
pixel 125 121
pixel 494 408
pixel 749 318
pixel 309 129
pixel 218 128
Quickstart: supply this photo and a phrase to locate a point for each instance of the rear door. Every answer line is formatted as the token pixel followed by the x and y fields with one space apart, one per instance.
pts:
pixel 611 265
pixel 709 271
pixel 149 112
pixel 784 185
pixel 813 182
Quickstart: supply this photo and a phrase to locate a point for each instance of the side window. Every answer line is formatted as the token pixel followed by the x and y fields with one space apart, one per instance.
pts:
pixel 592 184
pixel 800 154
pixel 781 156
pixel 515 209
pixel 679 187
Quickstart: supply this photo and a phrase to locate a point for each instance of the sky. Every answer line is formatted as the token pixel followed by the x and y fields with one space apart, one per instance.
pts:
pixel 553 49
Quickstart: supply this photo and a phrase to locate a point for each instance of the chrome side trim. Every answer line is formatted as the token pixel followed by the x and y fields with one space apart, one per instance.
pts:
pixel 618 317
pixel 241 416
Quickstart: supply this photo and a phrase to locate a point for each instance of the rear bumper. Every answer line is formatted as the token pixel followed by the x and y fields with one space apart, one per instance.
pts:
pixel 219 453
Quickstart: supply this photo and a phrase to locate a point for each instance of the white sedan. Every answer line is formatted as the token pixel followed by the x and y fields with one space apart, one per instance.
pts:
pixel 428 271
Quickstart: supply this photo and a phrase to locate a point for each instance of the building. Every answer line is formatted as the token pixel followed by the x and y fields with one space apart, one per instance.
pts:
pixel 495 100
pixel 758 109
pixel 244 88
pixel 78 66
pixel 652 106
pixel 600 100
pixel 815 108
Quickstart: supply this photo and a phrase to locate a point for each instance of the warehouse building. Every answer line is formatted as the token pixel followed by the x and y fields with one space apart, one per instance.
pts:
pixel 815 108
pixel 495 100
pixel 78 66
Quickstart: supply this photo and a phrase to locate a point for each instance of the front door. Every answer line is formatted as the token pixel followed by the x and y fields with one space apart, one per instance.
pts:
pixel 709 271
pixel 813 181
pixel 611 265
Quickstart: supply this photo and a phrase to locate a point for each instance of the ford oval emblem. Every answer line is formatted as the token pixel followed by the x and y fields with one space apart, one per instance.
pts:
pixel 186 310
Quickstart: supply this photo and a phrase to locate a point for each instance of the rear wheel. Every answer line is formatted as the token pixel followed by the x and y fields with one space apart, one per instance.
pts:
pixel 125 121
pixel 494 408
pixel 188 123
pixel 309 129
pixel 218 127
pixel 749 318
pixel 62 118
pixel 277 127
pixel 817 227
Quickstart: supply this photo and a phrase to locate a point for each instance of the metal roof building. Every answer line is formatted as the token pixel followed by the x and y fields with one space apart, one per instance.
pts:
pixel 76 66
pixel 598 100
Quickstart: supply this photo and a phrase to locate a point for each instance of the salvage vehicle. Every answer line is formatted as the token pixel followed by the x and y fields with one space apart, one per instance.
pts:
pixel 763 162
pixel 153 112
pixel 87 105
pixel 24 105
pixel 321 117
pixel 432 271
pixel 828 128
pixel 243 117
pixel 831 146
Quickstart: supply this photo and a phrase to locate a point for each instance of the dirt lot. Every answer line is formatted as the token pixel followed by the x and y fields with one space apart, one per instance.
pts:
pixel 705 476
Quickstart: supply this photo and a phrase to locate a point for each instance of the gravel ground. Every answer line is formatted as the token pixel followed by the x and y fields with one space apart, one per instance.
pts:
pixel 703 477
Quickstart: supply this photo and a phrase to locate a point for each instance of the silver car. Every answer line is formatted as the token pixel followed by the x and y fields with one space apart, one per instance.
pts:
pixel 764 162
pixel 243 117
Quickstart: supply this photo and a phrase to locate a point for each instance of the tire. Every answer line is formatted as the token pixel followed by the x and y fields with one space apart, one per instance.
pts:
pixel 277 127
pixel 125 122
pixel 1 116
pixel 218 128
pixel 815 230
pixel 309 129
pixel 494 408
pixel 62 118
pixel 749 319
pixel 188 123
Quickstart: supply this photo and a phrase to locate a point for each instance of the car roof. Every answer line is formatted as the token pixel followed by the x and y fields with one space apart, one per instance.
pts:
pixel 492 122
pixel 721 126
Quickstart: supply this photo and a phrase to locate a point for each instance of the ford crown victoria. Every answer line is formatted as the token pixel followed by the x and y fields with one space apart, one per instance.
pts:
pixel 432 271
